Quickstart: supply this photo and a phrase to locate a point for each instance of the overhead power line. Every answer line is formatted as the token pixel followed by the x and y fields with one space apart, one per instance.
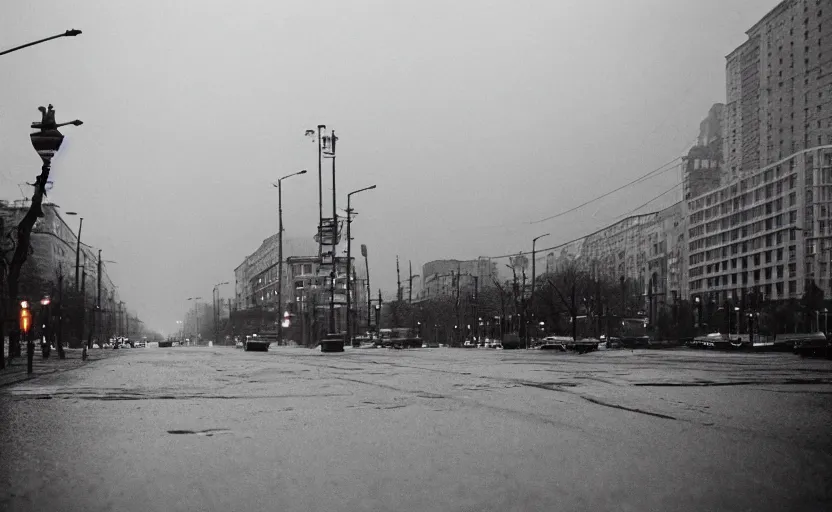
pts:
pixel 671 189
pixel 651 174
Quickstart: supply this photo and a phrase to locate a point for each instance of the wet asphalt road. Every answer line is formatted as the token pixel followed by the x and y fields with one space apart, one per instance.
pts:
pixel 427 430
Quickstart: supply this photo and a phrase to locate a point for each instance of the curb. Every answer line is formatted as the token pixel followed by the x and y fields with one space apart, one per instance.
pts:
pixel 15 373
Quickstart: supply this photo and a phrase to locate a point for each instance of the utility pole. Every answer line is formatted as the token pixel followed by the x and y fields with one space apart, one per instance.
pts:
pixel 83 298
pixel 349 258
pixel 410 284
pixel 231 325
pixel 349 255
pixel 279 261
pixel 320 192
pixel 524 321
pixel 98 295
pixel 476 304
pixel 280 253
pixel 456 303
pixel 60 337
pixel 78 253
pixel 369 294
pixel 398 281
pixel 121 318
pixel 378 314
pixel 334 274
pixel 534 273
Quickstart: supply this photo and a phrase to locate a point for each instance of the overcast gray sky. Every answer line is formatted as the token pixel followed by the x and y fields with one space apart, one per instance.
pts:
pixel 472 117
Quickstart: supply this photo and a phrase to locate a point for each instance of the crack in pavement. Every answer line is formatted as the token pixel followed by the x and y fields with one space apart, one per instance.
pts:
pixel 624 408
pixel 208 432
pixel 708 383
pixel 129 397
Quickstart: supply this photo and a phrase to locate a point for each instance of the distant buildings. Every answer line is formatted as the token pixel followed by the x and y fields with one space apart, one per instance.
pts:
pixel 256 277
pixel 439 277
pixel 306 287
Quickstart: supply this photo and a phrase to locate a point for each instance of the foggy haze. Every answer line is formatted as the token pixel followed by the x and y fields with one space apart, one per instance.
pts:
pixel 473 119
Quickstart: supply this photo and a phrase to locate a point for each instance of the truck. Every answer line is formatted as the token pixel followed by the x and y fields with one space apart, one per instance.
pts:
pixel 399 337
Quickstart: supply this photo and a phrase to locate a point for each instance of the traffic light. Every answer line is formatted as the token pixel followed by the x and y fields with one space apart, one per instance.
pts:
pixel 287 319
pixel 25 317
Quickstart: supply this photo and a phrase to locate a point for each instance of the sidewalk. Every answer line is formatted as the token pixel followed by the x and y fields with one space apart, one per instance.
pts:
pixel 16 371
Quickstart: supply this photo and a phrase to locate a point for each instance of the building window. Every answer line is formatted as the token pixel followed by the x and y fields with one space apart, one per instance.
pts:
pixel 792 287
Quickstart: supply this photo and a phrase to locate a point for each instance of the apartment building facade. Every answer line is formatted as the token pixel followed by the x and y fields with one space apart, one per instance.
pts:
pixel 54 246
pixel 779 100
pixel 766 227
pixel 769 231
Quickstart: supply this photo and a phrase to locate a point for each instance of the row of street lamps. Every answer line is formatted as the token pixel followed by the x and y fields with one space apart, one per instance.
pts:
pixel 47 141
pixel 326 149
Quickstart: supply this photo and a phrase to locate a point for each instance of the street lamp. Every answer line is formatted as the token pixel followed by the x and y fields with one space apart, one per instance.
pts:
pixel 69 33
pixel 196 315
pixel 319 140
pixel 279 186
pixel 534 277
pixel 77 248
pixel 328 146
pixel 349 255
pixel 215 303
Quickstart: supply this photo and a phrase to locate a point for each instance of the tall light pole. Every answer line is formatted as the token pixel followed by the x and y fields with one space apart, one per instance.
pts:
pixel 121 318
pixel 196 317
pixel 97 309
pixel 410 277
pixel 349 254
pixel 69 33
pixel 369 297
pixel 181 329
pixel 319 141
pixel 329 152
pixel 279 186
pixel 534 278
pixel 77 250
pixel 214 302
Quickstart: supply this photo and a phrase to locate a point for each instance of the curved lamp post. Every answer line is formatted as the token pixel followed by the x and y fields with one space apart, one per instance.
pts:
pixel 279 186
pixel 69 33
pixel 349 256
